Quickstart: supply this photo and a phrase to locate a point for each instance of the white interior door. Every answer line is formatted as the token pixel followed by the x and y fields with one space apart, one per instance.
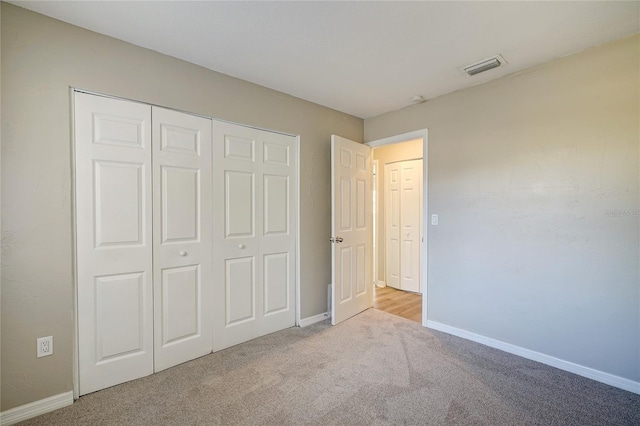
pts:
pixel 392 224
pixel 182 249
pixel 351 291
pixel 410 224
pixel 403 224
pixel 255 233
pixel 113 241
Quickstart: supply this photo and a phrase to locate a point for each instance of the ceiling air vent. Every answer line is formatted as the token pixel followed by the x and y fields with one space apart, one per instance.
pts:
pixel 484 65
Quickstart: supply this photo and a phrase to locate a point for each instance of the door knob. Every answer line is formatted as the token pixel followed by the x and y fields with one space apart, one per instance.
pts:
pixel 183 253
pixel 339 239
pixel 240 246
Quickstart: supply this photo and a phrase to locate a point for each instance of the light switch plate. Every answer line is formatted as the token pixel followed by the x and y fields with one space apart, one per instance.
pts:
pixel 434 219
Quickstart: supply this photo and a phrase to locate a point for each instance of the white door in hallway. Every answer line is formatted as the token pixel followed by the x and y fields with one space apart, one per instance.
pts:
pixel 403 218
pixel 255 219
pixel 182 247
pixel 411 225
pixel 392 224
pixel 351 230
pixel 113 241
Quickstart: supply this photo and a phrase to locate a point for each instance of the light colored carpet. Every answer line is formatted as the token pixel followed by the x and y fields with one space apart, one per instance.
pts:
pixel 373 369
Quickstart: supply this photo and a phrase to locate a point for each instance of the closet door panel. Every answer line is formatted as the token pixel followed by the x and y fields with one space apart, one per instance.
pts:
pixel 182 252
pixel 410 223
pixel 392 222
pixel 278 230
pixel 254 250
pixel 113 240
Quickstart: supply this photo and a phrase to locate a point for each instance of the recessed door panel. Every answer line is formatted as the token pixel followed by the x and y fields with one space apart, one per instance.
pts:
pixel 240 290
pixel 346 277
pixel 408 257
pixel 361 162
pixel 239 148
pixel 360 269
pixel 276 204
pixel 276 282
pixel 361 204
pixel 345 157
pixel 239 204
pixel 118 130
pixel 394 214
pixel 394 174
pixel 393 262
pixel 346 204
pixel 179 139
pixel 119 306
pixel 119 195
pixel 276 154
pixel 181 302
pixel 180 204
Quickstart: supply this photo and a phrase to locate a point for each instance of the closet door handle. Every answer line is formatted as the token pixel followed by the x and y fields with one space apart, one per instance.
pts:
pixel 241 246
pixel 183 253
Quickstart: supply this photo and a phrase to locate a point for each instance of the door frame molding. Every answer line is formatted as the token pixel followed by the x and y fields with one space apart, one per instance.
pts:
pixel 405 137
pixel 75 340
pixel 298 304
pixel 74 245
pixel 375 167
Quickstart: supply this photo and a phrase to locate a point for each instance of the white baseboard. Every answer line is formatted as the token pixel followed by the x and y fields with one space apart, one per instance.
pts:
pixel 590 373
pixel 381 283
pixel 36 408
pixel 304 322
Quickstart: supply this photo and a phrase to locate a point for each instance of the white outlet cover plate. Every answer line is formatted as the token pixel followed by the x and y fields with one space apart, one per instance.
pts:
pixel 42 344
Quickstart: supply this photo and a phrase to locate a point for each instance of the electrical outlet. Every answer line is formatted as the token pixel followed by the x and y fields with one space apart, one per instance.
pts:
pixel 45 346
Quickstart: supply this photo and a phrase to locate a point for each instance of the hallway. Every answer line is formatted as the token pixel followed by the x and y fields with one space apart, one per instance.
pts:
pixel 397 302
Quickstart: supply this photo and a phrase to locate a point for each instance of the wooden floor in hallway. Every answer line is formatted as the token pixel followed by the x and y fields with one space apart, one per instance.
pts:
pixel 398 302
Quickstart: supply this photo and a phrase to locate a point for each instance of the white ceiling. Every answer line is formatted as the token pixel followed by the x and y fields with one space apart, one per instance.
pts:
pixel 362 58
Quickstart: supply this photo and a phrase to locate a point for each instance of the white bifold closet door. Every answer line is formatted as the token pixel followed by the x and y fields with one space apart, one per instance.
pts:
pixel 143 267
pixel 255 233
pixel 403 219
pixel 114 241
pixel 392 223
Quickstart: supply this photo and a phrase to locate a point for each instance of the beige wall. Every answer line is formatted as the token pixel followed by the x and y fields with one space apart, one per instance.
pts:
pixel 536 182
pixel 410 150
pixel 41 59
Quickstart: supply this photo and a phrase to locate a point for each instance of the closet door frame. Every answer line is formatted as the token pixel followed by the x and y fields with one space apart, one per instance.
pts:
pixel 74 235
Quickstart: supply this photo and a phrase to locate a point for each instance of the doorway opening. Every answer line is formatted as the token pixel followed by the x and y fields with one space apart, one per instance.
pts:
pixel 399 225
